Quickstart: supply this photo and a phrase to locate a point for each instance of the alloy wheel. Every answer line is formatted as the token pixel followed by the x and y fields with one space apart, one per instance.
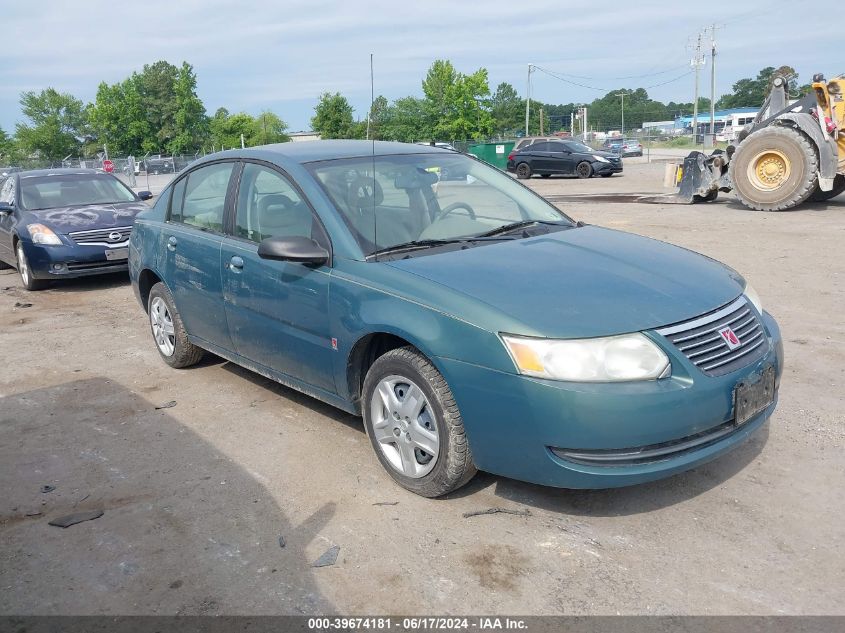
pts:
pixel 162 326
pixel 23 266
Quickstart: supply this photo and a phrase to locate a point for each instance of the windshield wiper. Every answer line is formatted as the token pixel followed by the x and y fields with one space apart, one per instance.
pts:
pixel 414 245
pixel 515 226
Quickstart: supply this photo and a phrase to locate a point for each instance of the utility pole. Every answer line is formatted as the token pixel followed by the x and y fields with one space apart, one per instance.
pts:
pixel 528 100
pixel 713 28
pixel 572 124
pixel 622 94
pixel 541 121
pixel 697 62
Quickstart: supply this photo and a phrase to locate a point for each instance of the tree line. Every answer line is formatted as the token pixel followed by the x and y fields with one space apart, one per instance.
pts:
pixel 157 110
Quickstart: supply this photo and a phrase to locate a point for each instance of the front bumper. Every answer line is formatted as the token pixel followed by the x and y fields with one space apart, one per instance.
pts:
pixel 65 262
pixel 514 422
pixel 607 168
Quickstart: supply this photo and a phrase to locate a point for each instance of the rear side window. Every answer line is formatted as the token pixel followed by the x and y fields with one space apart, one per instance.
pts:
pixel 204 198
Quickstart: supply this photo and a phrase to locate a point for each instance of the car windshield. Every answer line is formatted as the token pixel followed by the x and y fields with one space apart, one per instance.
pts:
pixel 72 190
pixel 404 198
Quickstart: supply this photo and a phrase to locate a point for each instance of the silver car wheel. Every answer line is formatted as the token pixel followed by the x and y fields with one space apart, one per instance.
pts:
pixel 23 267
pixel 162 325
pixel 404 426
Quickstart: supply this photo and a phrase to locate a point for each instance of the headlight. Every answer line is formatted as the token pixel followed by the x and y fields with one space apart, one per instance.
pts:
pixel 601 159
pixel 609 359
pixel 41 234
pixel 754 298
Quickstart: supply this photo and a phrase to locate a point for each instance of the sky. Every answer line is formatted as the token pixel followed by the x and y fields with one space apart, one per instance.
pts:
pixel 252 56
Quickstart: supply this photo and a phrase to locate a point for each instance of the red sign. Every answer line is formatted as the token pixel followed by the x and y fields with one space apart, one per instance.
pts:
pixel 108 166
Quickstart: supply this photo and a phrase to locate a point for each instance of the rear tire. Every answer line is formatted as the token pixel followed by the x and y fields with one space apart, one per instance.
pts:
pixel 822 196
pixel 523 171
pixel 584 170
pixel 168 331
pixel 774 169
pixel 406 398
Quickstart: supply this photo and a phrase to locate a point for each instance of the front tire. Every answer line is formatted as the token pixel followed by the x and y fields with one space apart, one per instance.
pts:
pixel 414 425
pixel 584 170
pixel 168 331
pixel 774 169
pixel 29 282
pixel 523 171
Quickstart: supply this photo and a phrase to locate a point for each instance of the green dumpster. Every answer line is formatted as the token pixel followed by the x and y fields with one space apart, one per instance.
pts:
pixel 494 153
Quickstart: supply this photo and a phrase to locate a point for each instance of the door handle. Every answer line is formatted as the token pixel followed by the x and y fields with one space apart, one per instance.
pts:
pixel 236 263
pixel 171 243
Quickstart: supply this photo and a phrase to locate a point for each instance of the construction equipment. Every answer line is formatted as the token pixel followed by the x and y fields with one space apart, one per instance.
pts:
pixel 790 153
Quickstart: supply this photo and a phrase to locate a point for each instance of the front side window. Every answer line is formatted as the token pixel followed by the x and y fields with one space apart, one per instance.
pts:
pixel 390 200
pixel 204 200
pixel 269 206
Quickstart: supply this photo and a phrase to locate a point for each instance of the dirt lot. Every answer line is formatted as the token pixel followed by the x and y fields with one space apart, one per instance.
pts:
pixel 196 496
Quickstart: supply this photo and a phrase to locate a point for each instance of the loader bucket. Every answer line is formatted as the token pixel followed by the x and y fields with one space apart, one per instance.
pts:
pixel 700 177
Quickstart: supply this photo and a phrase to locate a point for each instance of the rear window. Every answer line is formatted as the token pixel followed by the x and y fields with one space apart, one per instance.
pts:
pixel 72 190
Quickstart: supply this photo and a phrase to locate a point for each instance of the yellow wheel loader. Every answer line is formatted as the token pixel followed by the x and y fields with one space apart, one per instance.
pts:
pixel 789 154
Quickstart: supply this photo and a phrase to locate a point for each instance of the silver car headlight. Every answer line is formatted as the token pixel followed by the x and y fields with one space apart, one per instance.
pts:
pixel 609 359
pixel 754 298
pixel 41 234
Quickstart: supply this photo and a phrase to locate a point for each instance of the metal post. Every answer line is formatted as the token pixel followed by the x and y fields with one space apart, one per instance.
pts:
pixel 696 62
pixel 622 94
pixel 528 101
pixel 713 84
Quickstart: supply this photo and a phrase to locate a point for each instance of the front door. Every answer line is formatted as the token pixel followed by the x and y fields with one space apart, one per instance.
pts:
pixel 189 255
pixel 277 311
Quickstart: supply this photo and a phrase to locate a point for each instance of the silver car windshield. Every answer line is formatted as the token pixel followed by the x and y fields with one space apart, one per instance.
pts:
pixel 396 199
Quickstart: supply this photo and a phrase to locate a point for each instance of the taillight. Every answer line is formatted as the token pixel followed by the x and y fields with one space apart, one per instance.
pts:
pixel 831 126
pixel 511 155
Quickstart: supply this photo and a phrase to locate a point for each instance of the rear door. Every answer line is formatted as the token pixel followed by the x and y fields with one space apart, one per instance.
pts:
pixel 540 157
pixel 189 255
pixel 277 311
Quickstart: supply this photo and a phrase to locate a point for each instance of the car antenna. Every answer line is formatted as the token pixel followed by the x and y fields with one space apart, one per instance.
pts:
pixel 373 141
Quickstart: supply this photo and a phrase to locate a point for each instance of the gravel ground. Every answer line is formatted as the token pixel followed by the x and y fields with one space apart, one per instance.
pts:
pixel 197 495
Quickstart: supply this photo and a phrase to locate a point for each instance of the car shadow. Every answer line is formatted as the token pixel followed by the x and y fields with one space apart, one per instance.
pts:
pixel 89 284
pixel 185 529
pixel 629 500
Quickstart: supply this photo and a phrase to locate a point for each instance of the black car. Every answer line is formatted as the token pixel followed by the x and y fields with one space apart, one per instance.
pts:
pixel 61 223
pixel 563 157
pixel 158 165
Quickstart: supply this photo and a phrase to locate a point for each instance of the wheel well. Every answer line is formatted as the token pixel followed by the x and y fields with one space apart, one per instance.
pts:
pixel 146 280
pixel 364 353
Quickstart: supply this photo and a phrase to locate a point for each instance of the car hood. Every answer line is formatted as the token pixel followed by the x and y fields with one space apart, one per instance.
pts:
pixel 85 218
pixel 582 282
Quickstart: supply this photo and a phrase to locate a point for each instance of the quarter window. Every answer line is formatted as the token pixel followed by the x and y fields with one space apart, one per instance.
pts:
pixel 269 206
pixel 204 197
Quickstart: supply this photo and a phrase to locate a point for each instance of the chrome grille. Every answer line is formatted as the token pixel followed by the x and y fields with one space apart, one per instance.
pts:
pixel 101 237
pixel 701 339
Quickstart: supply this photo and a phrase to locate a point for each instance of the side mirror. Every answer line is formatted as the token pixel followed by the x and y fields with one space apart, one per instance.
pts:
pixel 293 249
pixel 145 195
pixel 6 208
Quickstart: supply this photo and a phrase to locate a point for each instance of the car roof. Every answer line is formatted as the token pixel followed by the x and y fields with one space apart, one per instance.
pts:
pixel 59 171
pixel 311 151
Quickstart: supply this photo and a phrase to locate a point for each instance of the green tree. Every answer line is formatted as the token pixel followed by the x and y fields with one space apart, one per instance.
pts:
pixel 752 92
pixel 269 128
pixel 56 127
pixel 9 151
pixel 405 120
pixel 379 116
pixel 190 121
pixel 456 105
pixel 157 85
pixel 507 109
pixel 118 118
pixel 333 116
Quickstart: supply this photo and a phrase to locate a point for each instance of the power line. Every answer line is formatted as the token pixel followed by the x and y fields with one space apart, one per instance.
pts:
pixel 650 74
pixel 575 83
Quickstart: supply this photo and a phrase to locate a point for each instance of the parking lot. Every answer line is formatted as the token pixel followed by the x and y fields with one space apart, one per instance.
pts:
pixel 197 494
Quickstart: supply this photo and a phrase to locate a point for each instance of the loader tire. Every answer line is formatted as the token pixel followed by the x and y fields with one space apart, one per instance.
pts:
pixel 774 169
pixel 822 196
